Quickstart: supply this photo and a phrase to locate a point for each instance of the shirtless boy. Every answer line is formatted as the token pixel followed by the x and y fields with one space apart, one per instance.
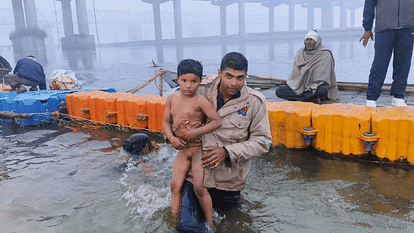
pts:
pixel 187 116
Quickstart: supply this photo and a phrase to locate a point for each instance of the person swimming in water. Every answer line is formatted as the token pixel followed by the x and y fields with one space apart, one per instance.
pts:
pixel 137 145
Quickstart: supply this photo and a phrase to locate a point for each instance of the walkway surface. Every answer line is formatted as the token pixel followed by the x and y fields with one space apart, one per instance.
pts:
pixel 346 96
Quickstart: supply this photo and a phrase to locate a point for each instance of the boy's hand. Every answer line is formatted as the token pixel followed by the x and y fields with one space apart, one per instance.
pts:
pixel 177 143
pixel 191 136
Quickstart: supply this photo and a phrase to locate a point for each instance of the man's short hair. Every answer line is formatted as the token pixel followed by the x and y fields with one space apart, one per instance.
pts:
pixel 190 66
pixel 234 60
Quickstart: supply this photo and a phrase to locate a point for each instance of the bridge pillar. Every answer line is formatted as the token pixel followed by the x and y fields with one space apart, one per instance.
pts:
pixel 223 15
pixel 157 26
pixel 242 17
pixel 67 18
pixel 30 11
pixel 352 24
pixel 291 16
pixel 82 16
pixel 311 16
pixel 271 19
pixel 343 15
pixel 18 14
pixel 327 15
pixel 177 19
pixel 156 11
pixel 73 41
pixel 28 38
pixel 271 5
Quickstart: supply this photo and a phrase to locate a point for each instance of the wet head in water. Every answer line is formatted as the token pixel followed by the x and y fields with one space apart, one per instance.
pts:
pixel 138 144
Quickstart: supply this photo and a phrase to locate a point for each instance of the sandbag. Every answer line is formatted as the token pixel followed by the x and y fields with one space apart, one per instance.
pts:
pixel 64 80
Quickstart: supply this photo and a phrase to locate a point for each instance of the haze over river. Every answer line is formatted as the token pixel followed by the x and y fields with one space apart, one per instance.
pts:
pixel 66 179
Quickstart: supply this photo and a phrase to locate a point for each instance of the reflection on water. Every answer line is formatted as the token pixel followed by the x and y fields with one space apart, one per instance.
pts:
pixel 371 188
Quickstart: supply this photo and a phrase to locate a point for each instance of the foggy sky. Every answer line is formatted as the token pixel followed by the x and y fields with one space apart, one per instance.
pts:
pixel 46 7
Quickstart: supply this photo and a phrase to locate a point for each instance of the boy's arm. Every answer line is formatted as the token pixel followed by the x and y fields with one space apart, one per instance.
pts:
pixel 214 119
pixel 166 121
pixel 177 143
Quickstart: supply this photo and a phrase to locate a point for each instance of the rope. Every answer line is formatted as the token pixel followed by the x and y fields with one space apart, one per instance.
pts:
pixel 156 85
pixel 67 120
pixel 135 89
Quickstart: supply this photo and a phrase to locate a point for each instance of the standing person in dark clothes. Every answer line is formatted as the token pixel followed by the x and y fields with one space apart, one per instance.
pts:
pixel 27 72
pixel 394 33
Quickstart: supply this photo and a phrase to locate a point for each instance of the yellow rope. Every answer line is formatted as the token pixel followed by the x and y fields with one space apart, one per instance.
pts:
pixel 135 89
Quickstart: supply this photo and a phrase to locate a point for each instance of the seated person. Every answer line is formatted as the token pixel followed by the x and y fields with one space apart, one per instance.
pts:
pixel 313 73
pixel 27 72
pixel 5 67
pixel 139 144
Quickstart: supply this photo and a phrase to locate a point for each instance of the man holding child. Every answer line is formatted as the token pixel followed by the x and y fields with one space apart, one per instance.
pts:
pixel 244 134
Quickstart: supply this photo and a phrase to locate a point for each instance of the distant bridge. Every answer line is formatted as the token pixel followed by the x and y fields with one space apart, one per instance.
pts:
pixel 141 25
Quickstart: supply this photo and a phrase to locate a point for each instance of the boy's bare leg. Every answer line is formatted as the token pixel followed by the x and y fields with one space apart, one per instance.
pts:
pixel 180 170
pixel 200 191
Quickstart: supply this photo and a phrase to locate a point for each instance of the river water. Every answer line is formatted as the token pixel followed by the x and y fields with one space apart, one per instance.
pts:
pixel 60 178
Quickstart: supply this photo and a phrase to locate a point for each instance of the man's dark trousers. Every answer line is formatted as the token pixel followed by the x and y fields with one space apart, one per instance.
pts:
pixel 399 41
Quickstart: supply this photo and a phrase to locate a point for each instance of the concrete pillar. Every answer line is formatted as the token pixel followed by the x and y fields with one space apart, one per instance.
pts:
pixel 271 19
pixel 157 26
pixel 177 19
pixel 343 20
pixel 311 18
pixel 67 18
pixel 223 14
pixel 291 16
pixel 327 15
pixel 82 16
pixel 242 17
pixel 223 20
pixel 157 16
pixel 352 23
pixel 18 14
pixel 271 5
pixel 30 12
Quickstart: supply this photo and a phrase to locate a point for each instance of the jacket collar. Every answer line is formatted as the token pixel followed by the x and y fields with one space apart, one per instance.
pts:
pixel 231 105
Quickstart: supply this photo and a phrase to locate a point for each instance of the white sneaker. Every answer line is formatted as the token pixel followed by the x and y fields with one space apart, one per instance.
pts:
pixel 398 102
pixel 371 103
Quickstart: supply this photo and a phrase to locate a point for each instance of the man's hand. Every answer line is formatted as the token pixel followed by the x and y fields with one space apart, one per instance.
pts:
pixel 214 157
pixel 365 37
pixel 177 143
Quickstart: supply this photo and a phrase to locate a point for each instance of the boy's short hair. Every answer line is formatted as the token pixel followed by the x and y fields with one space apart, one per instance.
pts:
pixel 191 66
pixel 234 60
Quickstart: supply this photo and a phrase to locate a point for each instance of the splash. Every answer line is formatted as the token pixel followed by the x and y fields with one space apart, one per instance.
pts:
pixel 146 200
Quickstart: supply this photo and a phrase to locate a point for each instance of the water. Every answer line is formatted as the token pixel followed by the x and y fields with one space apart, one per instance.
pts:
pixel 66 179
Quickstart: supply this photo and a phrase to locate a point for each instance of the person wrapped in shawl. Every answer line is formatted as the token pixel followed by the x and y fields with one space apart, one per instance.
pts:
pixel 313 73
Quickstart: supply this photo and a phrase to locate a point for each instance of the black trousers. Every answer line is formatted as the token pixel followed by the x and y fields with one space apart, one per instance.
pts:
pixel 285 92
pixel 192 219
